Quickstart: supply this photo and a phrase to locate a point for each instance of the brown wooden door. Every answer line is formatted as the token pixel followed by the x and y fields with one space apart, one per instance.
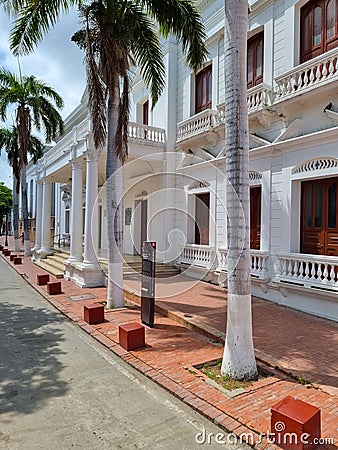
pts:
pixel 202 207
pixel 319 224
pixel 255 217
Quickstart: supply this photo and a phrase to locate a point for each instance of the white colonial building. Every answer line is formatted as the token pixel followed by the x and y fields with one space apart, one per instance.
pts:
pixel 174 182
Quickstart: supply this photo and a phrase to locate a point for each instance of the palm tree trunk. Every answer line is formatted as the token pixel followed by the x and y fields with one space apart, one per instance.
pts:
pixel 239 359
pixel 25 211
pixel 114 205
pixel 16 213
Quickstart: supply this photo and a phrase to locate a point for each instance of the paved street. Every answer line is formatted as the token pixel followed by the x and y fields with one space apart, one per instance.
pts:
pixel 59 389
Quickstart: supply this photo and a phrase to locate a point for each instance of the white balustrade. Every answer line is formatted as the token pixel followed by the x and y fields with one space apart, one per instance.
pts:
pixel 146 133
pixel 198 255
pixel 257 97
pixel 309 75
pixel 259 263
pixel 308 270
pixel 199 123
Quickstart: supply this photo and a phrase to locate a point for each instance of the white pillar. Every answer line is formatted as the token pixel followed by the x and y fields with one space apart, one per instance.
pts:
pixel 91 217
pixel 38 217
pixel 76 214
pixel 46 220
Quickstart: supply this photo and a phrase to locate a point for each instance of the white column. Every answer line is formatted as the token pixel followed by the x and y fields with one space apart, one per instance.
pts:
pixel 91 217
pixel 46 220
pixel 38 217
pixel 76 214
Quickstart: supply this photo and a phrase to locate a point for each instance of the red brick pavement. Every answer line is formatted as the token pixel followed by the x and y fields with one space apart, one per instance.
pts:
pixel 299 343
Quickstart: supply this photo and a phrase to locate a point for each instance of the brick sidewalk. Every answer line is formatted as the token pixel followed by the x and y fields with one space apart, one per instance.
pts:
pixel 294 341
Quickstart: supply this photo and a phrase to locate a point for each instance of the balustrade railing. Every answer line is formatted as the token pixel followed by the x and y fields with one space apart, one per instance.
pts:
pixel 309 75
pixel 257 97
pixel 259 263
pixel 308 270
pixel 199 123
pixel 146 133
pixel 198 255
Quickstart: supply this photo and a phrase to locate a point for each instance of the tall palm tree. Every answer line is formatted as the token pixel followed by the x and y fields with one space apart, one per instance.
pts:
pixel 239 359
pixel 34 102
pixel 117 34
pixel 10 143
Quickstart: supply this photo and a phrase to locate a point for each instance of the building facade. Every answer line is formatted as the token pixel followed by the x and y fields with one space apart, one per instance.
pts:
pixel 174 184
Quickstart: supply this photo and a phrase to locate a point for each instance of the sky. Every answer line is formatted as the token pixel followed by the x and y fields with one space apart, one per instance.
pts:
pixel 56 60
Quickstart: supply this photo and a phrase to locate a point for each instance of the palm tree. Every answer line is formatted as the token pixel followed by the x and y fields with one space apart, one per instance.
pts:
pixel 117 34
pixel 10 143
pixel 239 359
pixel 33 100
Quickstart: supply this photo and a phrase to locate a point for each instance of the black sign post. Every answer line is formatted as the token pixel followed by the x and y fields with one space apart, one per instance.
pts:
pixel 148 283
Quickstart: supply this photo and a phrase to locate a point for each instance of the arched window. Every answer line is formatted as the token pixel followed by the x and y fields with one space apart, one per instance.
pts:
pixel 319 28
pixel 255 60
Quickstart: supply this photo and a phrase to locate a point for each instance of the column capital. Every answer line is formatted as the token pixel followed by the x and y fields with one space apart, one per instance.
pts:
pixel 76 164
pixel 92 155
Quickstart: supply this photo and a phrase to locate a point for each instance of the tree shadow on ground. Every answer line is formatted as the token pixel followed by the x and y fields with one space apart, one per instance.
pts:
pixel 29 358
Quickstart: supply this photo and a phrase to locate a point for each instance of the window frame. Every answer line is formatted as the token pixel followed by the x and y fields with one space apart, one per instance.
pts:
pixel 253 43
pixel 205 73
pixel 326 44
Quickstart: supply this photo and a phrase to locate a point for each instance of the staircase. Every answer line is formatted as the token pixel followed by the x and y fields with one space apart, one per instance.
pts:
pixel 55 265
pixel 134 268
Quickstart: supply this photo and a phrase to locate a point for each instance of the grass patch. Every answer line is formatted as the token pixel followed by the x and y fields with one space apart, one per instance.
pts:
pixel 213 371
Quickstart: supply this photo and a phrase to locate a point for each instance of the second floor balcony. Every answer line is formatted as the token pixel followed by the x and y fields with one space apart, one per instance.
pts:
pixel 319 71
pixel 207 124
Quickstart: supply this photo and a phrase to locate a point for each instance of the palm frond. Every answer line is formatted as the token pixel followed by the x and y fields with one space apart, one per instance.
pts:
pixel 181 18
pixel 33 21
pixel 146 49
pixel 96 90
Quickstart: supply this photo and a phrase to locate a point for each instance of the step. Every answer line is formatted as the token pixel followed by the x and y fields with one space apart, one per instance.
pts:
pixel 60 253
pixel 57 258
pixel 55 263
pixel 49 268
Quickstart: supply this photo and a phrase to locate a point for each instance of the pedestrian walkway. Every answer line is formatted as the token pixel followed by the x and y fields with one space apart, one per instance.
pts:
pixel 187 334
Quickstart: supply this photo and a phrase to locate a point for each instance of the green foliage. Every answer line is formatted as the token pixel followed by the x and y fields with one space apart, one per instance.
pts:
pixel 115 36
pixel 5 200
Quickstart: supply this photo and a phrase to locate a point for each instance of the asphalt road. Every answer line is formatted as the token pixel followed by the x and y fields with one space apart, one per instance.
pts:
pixel 60 389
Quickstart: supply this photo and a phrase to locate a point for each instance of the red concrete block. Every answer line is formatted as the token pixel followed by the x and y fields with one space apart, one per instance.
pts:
pixel 12 256
pixel 42 279
pixel 93 313
pixel 131 336
pixel 1 248
pixel 295 424
pixel 7 252
pixel 54 287
pixel 17 260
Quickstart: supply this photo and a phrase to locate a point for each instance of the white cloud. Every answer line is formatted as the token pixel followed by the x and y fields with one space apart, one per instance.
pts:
pixel 56 60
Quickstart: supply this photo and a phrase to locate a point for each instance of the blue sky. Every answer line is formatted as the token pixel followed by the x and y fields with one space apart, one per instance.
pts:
pixel 56 60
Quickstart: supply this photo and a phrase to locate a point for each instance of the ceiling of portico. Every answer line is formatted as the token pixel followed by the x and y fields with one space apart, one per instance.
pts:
pixel 135 169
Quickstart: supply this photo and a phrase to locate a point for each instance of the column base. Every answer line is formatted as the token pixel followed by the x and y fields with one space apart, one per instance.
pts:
pixel 84 275
pixel 42 253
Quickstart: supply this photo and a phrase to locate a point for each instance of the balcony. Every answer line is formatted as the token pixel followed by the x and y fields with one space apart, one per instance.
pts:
pixel 206 124
pixel 198 128
pixel 146 135
pixel 258 97
pixel 310 75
